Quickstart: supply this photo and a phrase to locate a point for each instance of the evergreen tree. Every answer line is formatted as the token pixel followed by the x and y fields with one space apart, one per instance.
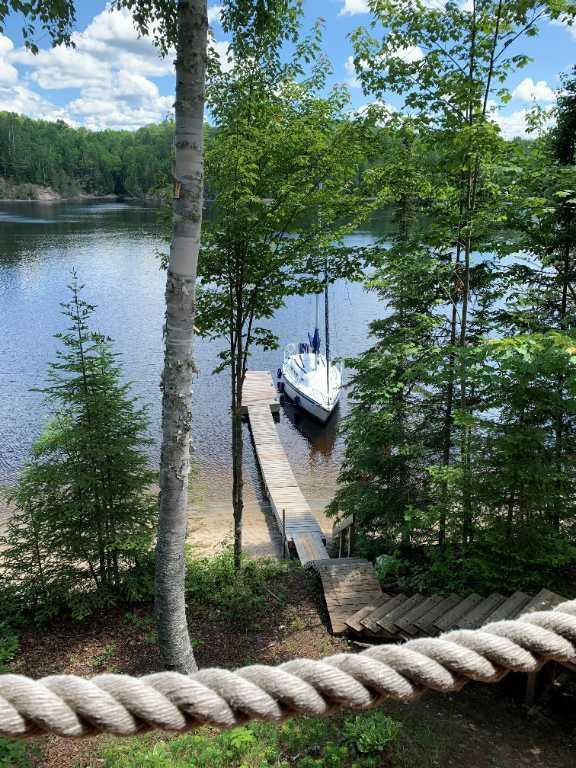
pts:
pixel 84 514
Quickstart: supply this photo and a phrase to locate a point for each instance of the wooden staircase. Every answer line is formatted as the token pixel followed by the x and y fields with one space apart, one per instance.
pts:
pixel 357 605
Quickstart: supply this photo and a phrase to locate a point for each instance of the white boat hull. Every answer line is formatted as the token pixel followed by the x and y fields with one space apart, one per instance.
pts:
pixel 308 393
pixel 306 403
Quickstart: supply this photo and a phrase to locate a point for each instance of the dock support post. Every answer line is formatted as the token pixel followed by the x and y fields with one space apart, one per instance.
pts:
pixel 283 534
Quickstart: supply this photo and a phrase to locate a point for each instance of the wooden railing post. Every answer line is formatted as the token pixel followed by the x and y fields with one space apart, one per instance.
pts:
pixel 350 537
pixel 283 534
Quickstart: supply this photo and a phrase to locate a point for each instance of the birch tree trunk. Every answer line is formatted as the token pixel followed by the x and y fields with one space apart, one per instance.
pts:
pixel 179 366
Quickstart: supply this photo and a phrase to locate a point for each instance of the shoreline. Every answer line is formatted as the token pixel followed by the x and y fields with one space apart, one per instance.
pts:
pixel 73 199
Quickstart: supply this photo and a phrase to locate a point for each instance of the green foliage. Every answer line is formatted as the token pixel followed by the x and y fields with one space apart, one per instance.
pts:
pixel 282 162
pixel 237 595
pixel 84 512
pixel 534 556
pixel 341 742
pixel 370 733
pixel 461 435
pixel 54 17
pixel 15 753
pixel 8 645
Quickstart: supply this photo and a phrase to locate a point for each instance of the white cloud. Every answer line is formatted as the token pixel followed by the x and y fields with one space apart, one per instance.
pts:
pixel 108 113
pixel 223 52
pixel 351 81
pixel 109 68
pixel 23 101
pixel 528 90
pixel 409 53
pixel 109 43
pixel 513 125
pixel 61 67
pixel 8 73
pixel 354 7
pixel 214 12
pixel 380 110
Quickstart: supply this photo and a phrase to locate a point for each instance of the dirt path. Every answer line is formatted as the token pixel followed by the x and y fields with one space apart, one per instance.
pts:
pixel 480 727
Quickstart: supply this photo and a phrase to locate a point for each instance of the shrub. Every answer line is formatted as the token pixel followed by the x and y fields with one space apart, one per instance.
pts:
pixel 238 594
pixel 533 557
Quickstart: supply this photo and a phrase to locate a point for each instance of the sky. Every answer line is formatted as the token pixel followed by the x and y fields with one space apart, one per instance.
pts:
pixel 114 79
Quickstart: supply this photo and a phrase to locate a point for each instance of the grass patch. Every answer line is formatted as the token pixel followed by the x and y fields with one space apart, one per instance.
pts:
pixel 362 741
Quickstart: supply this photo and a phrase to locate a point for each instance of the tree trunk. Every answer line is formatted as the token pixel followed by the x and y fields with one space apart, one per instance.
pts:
pixel 179 366
pixel 237 449
pixel 238 483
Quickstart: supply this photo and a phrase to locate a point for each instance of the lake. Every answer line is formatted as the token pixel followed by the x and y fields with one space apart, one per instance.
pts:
pixel 114 248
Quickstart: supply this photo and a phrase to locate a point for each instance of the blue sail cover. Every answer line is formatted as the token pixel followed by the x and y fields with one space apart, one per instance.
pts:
pixel 315 342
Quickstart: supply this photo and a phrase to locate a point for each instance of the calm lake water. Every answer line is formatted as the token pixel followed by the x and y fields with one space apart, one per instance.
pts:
pixel 114 248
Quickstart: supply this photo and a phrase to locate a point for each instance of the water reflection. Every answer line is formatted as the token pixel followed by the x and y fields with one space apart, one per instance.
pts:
pixel 320 437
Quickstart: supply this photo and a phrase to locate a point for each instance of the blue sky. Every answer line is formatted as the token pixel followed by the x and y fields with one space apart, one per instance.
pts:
pixel 115 80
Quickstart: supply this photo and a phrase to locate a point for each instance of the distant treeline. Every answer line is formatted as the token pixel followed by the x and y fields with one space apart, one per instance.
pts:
pixel 73 161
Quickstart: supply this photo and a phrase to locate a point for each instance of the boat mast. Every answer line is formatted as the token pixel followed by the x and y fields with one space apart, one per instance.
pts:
pixel 327 328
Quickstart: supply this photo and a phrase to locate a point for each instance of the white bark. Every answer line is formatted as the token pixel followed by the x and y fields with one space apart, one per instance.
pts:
pixel 179 338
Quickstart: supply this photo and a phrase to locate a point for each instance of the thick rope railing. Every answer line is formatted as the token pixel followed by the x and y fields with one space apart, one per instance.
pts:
pixel 119 704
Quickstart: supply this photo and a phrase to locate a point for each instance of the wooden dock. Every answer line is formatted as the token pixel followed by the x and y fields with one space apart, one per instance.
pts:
pixel 291 510
pixel 259 389
pixel 354 599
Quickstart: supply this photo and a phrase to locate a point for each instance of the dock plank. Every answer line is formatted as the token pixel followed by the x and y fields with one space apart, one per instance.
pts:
pixel 371 622
pixel 387 623
pixel 478 615
pixel 287 501
pixel 310 546
pixel 460 610
pixel 406 623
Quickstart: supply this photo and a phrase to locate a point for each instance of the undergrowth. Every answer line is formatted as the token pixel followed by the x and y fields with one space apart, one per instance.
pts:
pixel 370 740
pixel 213 582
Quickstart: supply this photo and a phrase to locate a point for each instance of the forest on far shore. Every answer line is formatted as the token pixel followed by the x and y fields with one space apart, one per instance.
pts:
pixel 76 161
pixel 73 162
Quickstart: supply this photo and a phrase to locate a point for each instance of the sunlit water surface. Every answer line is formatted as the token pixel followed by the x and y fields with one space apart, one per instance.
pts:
pixel 114 248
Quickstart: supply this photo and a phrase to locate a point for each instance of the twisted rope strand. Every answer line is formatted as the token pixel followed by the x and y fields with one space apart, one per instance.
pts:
pixel 119 704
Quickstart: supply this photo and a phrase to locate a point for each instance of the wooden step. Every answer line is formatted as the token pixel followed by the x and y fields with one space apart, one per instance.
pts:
pixel 543 601
pixel 426 622
pixel 405 623
pixel 349 584
pixel 477 617
pixel 371 621
pixel 388 622
pixel 450 619
pixel 509 609
pixel 354 622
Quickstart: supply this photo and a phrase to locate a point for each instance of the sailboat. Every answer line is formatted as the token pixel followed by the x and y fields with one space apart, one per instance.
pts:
pixel 307 376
